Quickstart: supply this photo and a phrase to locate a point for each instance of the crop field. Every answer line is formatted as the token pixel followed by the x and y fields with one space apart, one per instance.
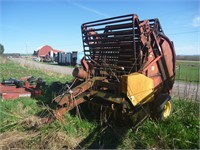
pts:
pixel 188 71
pixel 21 126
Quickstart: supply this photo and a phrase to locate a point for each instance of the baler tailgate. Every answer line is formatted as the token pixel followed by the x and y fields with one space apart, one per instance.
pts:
pixel 112 42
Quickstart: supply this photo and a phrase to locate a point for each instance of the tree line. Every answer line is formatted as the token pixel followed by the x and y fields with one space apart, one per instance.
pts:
pixel 1 49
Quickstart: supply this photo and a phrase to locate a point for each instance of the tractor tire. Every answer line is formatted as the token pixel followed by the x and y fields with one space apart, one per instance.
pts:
pixel 163 108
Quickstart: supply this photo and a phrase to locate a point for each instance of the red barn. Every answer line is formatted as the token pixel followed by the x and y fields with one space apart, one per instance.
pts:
pixel 46 50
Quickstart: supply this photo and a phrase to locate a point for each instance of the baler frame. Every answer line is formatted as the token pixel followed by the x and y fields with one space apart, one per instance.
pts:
pixel 117 50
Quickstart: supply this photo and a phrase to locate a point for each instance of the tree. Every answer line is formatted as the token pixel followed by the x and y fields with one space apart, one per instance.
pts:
pixel 1 49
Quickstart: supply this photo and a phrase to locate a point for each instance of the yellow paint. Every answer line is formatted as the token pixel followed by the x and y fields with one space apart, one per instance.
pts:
pixel 138 88
pixel 167 110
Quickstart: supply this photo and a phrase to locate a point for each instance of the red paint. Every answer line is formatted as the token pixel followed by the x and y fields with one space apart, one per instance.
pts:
pixel 10 92
pixel 43 51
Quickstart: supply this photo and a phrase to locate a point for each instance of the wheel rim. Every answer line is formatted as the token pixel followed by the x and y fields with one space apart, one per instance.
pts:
pixel 167 110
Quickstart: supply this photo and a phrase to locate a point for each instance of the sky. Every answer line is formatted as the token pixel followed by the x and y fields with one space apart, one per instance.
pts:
pixel 26 25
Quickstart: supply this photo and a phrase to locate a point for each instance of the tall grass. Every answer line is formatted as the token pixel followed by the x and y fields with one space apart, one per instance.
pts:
pixel 181 131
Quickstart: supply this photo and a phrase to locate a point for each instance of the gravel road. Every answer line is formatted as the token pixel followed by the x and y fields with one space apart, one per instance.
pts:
pixel 43 66
pixel 186 90
pixel 181 90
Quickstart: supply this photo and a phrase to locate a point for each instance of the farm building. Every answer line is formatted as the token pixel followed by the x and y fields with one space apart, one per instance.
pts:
pixel 45 51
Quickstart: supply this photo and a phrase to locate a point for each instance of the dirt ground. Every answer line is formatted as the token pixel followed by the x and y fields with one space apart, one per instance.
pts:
pixel 182 90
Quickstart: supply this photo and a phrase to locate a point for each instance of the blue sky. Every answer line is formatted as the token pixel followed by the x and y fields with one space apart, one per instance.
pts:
pixel 26 25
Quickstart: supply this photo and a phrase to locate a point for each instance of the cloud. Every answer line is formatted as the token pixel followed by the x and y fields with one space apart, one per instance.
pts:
pixel 89 9
pixel 196 21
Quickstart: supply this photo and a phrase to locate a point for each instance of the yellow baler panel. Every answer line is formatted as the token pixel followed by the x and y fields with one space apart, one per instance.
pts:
pixel 137 87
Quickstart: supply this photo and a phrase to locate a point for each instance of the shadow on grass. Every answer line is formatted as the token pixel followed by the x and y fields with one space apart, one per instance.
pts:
pixel 108 134
pixel 48 93
pixel 103 137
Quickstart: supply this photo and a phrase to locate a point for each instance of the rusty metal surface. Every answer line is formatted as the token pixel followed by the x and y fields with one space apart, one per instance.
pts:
pixel 79 73
pixel 60 111
pixel 122 45
pixel 66 98
pixel 115 47
pixel 112 42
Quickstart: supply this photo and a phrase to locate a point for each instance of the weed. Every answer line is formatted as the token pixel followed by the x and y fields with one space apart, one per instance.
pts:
pixel 178 132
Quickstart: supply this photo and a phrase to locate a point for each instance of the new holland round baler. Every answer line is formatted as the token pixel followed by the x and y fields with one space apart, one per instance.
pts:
pixel 128 67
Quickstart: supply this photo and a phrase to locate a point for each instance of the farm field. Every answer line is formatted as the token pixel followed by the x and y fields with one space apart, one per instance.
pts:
pixel 21 127
pixel 183 89
pixel 187 79
pixel 188 71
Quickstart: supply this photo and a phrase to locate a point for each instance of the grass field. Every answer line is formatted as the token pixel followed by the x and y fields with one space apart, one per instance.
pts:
pixel 21 127
pixel 10 70
pixel 188 71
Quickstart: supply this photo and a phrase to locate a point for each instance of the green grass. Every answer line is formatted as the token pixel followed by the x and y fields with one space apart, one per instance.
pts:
pixel 22 117
pixel 181 131
pixel 188 71
pixel 13 111
pixel 12 70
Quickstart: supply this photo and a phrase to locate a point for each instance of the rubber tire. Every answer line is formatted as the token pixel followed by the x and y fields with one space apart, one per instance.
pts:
pixel 158 111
